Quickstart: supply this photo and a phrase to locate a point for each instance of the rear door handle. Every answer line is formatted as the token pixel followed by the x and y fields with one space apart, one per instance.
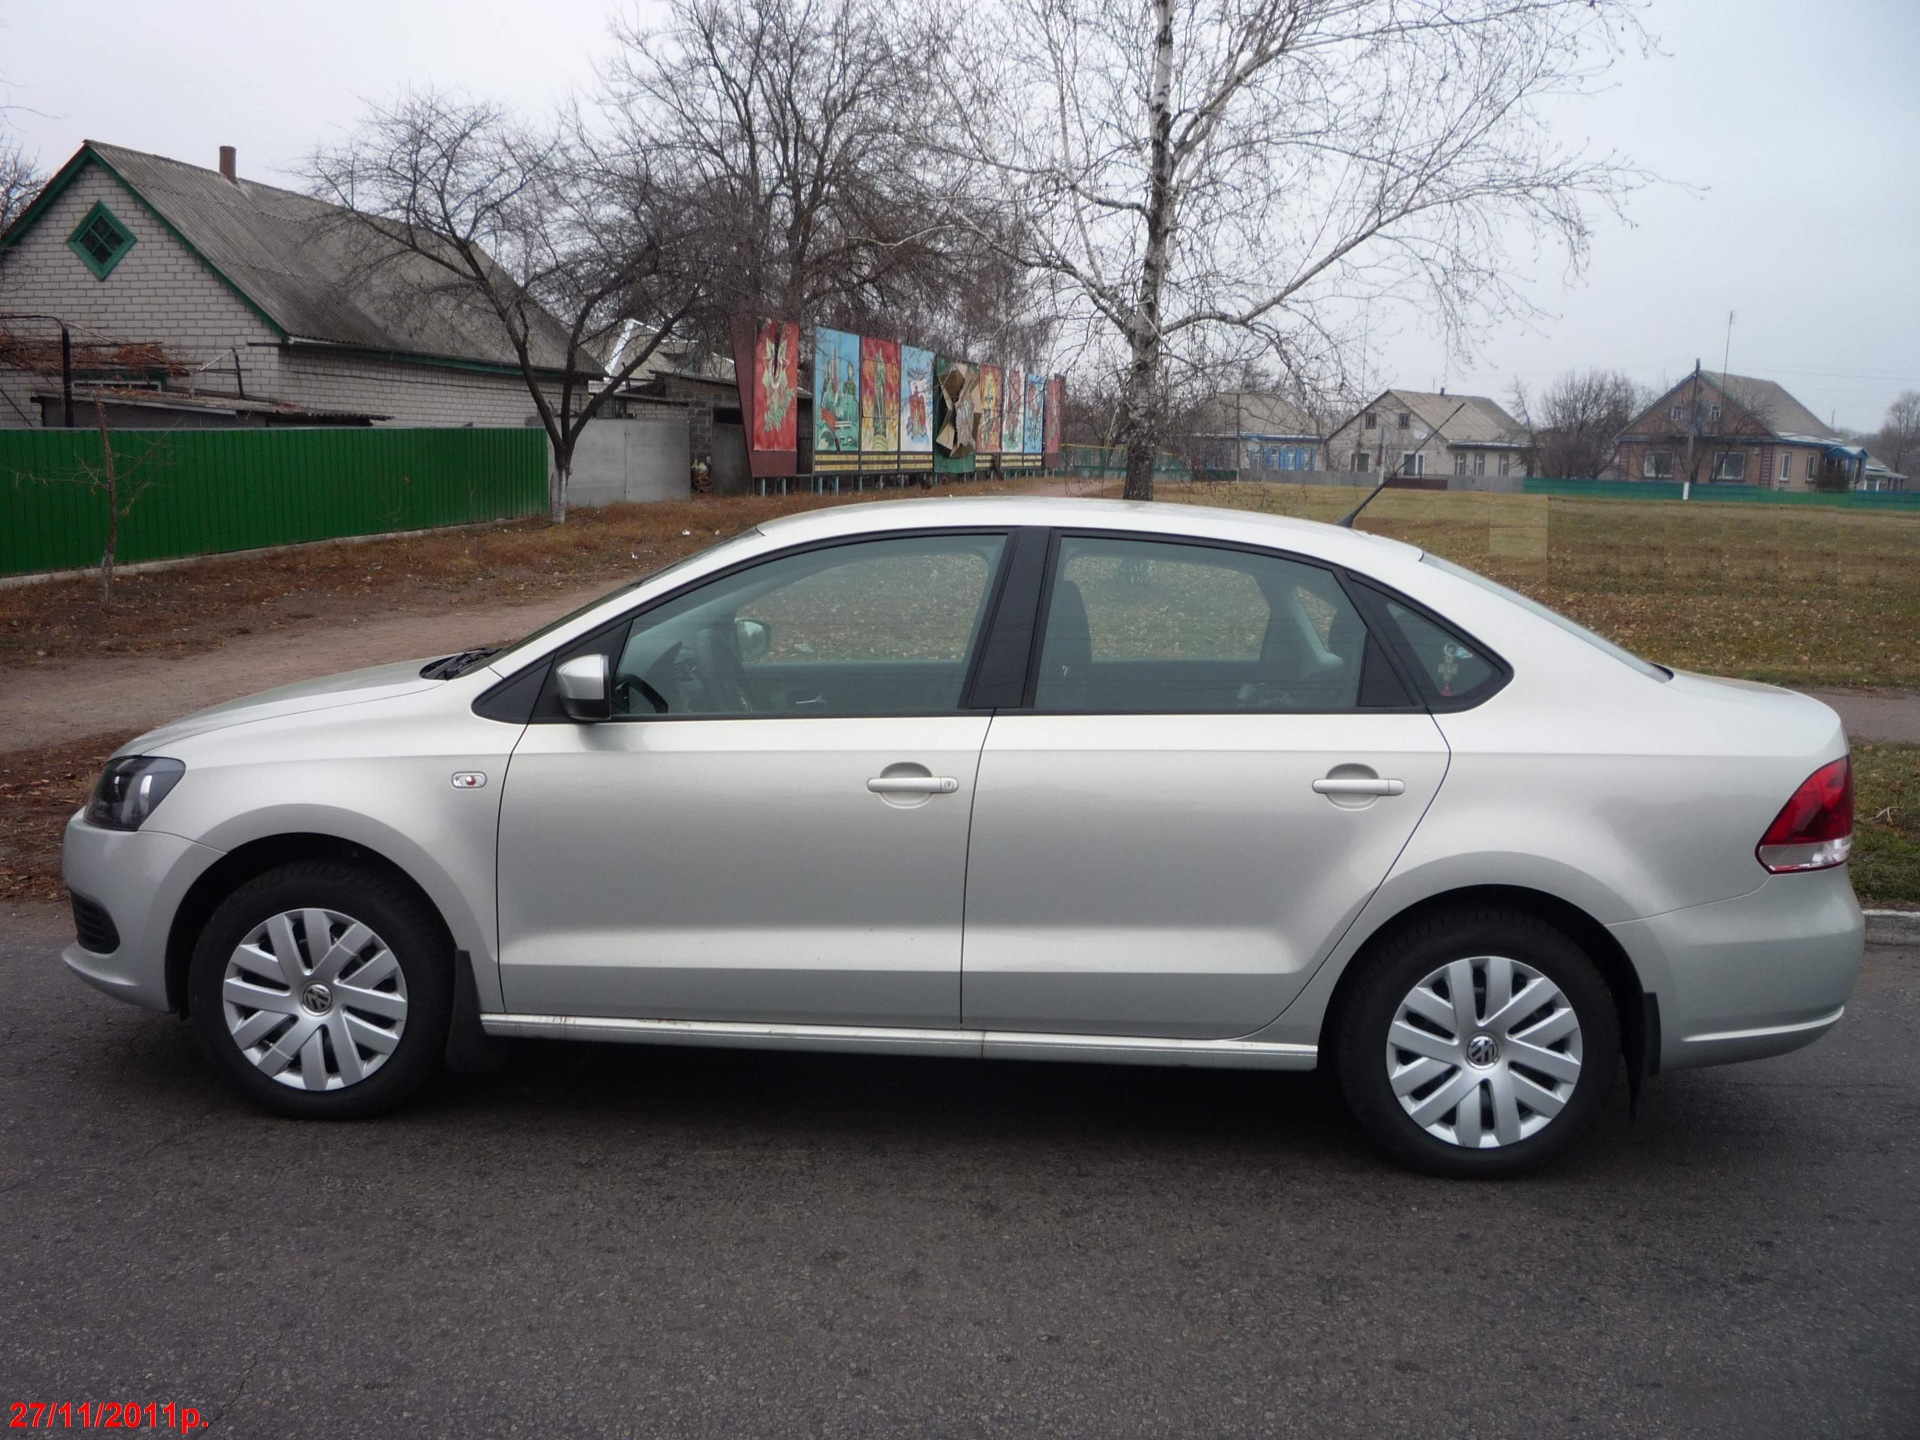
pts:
pixel 1358 785
pixel 913 785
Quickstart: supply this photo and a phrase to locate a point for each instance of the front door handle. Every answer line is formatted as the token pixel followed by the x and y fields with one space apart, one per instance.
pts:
pixel 913 785
pixel 1358 785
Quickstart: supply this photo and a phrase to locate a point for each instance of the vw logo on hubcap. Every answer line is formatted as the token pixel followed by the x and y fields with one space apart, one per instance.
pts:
pixel 1483 1050
pixel 317 998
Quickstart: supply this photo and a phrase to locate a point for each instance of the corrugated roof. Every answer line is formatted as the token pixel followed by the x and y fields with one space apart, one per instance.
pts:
pixel 1460 419
pixel 315 272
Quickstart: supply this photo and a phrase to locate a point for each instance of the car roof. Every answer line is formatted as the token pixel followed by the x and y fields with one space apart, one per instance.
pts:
pixel 1209 522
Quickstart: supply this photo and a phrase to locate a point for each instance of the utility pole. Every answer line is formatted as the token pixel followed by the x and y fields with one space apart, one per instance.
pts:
pixel 1693 428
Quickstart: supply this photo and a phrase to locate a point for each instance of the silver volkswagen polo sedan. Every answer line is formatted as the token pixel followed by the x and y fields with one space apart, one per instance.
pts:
pixel 1011 778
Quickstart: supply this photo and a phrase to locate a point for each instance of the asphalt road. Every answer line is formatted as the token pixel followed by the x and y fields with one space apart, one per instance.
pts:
pixel 664 1243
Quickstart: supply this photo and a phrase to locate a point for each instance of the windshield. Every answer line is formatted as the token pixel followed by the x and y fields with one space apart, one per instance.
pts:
pixel 505 658
pixel 1534 607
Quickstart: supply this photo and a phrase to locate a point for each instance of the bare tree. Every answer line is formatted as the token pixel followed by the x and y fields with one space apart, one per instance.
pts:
pixel 553 243
pixel 788 127
pixel 1575 425
pixel 1898 442
pixel 1237 176
pixel 20 180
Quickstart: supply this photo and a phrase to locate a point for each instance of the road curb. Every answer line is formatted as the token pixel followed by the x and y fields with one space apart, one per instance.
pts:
pixel 1893 927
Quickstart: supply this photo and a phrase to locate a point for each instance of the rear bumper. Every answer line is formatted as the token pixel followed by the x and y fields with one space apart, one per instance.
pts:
pixel 1760 975
pixel 139 877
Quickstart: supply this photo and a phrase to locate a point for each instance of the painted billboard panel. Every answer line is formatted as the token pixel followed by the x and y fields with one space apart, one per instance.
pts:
pixel 1013 412
pixel 766 368
pixel 956 394
pixel 916 400
pixel 1036 414
pixel 879 396
pixel 989 441
pixel 836 393
pixel 1056 413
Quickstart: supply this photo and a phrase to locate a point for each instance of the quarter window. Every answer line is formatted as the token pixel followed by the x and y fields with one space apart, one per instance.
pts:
pixel 1150 627
pixel 883 627
pixel 1455 669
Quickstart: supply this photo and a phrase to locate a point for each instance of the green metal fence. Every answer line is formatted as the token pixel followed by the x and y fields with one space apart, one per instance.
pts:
pixel 1899 500
pixel 205 491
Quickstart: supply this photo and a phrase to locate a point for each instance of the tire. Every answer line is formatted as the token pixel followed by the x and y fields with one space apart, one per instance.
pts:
pixel 359 1021
pixel 1513 1064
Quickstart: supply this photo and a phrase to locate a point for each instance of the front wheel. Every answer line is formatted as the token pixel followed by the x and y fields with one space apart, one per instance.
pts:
pixel 1479 1043
pixel 322 990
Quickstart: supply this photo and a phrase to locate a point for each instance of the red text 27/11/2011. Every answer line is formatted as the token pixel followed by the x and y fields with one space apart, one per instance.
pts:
pixel 104 1415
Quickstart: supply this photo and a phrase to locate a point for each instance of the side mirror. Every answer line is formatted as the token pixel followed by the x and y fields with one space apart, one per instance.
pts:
pixel 585 690
pixel 753 639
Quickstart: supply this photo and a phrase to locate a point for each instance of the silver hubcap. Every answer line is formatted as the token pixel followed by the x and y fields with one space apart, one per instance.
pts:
pixel 315 999
pixel 1484 1052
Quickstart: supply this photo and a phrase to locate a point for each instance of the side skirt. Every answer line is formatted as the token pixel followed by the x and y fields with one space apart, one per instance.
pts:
pixel 971 1044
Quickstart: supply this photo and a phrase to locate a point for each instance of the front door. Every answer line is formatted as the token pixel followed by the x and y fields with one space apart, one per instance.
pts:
pixel 1217 771
pixel 774 825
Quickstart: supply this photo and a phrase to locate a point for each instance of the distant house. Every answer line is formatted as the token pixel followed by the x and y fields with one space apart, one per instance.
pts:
pixel 1737 430
pixel 271 307
pixel 1420 433
pixel 1255 431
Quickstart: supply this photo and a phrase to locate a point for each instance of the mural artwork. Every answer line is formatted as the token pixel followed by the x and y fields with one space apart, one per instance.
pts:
pixel 989 442
pixel 776 386
pixel 1013 412
pixel 879 395
pixel 836 391
pixel 1036 413
pixel 916 399
pixel 1056 405
pixel 959 409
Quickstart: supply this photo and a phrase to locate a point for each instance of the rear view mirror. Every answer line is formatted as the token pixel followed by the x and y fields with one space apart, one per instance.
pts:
pixel 585 693
pixel 753 639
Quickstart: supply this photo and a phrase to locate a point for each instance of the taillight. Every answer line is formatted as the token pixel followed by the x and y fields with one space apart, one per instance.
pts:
pixel 1814 830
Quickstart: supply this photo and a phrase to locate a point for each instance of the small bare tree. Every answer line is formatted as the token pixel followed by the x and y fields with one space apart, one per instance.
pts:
pixel 1575 425
pixel 1898 442
pixel 117 479
pixel 1236 176
pixel 553 243
pixel 20 180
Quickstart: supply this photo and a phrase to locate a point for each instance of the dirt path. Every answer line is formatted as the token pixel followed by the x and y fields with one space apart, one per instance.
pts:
pixel 1882 716
pixel 58 702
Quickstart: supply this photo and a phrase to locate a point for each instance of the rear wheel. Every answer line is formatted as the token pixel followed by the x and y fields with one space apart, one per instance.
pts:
pixel 1478 1043
pixel 323 990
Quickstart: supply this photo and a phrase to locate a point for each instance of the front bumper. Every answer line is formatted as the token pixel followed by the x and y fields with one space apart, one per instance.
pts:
pixel 1755 976
pixel 140 878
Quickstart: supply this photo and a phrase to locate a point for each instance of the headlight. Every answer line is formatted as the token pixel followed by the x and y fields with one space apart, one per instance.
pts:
pixel 130 789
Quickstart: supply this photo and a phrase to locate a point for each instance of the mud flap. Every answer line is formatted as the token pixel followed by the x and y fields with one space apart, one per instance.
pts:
pixel 470 1050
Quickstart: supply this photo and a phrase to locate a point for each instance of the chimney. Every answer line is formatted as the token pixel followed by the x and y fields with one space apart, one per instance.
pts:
pixel 227 159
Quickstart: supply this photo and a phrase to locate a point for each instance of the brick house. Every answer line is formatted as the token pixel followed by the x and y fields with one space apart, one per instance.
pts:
pixel 1255 432
pixel 1424 433
pixel 276 305
pixel 1736 430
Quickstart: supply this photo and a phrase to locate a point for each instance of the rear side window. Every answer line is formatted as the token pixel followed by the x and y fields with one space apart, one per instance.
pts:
pixel 1153 628
pixel 1456 670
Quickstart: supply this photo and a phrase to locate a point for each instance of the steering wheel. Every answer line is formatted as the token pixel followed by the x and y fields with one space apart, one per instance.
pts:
pixel 721 677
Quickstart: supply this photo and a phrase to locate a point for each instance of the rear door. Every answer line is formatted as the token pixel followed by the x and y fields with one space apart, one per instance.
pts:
pixel 1216 769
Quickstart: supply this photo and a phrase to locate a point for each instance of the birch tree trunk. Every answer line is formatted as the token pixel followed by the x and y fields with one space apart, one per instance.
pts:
pixel 1140 421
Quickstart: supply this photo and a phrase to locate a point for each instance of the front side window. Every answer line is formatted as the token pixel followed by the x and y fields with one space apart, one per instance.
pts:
pixel 882 627
pixel 1156 628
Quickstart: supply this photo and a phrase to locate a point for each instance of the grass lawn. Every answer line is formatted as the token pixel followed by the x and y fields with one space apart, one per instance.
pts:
pixel 1886 827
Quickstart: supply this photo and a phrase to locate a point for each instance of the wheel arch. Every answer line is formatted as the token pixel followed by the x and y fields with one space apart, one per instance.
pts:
pixel 243 863
pixel 1633 1003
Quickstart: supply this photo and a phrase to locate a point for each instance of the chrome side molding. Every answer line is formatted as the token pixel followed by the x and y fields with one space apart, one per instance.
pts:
pixel 977 1044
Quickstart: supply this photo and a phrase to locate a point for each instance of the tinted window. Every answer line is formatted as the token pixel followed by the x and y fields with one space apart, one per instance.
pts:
pixel 884 627
pixel 1144 626
pixel 1452 666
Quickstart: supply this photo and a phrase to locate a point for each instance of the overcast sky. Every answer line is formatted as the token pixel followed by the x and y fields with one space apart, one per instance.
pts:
pixel 1796 124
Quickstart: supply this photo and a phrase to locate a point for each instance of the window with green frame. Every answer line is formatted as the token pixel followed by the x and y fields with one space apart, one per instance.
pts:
pixel 101 240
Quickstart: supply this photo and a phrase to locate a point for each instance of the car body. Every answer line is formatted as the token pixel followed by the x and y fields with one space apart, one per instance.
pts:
pixel 1018 777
